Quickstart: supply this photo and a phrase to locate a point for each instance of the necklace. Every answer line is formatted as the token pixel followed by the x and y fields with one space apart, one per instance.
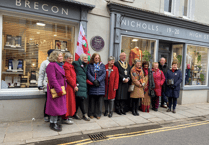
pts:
pixel 124 65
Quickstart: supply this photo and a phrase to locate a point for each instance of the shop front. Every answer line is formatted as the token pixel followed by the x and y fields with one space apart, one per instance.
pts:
pixel 150 36
pixel 29 29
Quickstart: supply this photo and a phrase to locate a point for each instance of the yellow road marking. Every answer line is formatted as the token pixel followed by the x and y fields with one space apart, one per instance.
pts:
pixel 139 133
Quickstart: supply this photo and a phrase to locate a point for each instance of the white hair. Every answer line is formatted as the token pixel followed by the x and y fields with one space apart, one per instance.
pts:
pixel 82 56
pixel 162 58
pixel 68 55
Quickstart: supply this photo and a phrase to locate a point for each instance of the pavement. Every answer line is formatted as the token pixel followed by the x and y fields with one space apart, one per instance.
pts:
pixel 37 130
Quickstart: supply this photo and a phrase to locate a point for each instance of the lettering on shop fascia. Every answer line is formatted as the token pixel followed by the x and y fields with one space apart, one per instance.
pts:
pixel 44 7
pixel 162 29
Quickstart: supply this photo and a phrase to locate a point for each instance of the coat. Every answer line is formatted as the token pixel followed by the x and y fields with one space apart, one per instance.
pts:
pixel 42 79
pixel 164 69
pixel 100 76
pixel 81 78
pixel 137 80
pixel 71 84
pixel 111 82
pixel 56 79
pixel 151 81
pixel 177 76
pixel 122 92
pixel 159 80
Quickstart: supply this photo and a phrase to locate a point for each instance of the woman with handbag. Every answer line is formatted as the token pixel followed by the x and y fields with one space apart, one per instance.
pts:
pixel 111 85
pixel 96 73
pixel 70 90
pixel 149 87
pixel 159 80
pixel 81 78
pixel 137 87
pixel 173 81
pixel 56 96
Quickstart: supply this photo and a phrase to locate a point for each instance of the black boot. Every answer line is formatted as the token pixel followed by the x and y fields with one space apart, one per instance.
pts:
pixel 110 114
pixel 106 113
pixel 133 107
pixel 106 107
pixel 137 107
pixel 123 112
pixel 55 127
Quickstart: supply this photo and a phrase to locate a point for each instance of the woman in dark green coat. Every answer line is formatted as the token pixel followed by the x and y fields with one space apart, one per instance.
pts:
pixel 81 79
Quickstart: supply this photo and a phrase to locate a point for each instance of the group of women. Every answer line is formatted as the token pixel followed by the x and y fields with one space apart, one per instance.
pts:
pixel 74 81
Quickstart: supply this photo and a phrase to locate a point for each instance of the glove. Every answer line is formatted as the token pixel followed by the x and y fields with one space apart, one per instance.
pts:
pixel 40 87
pixel 173 87
pixel 96 83
pixel 60 93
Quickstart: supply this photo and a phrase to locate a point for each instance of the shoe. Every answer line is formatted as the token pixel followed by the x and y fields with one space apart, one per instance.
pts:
pixel 67 121
pixel 76 117
pixel 123 112
pixel 169 110
pixel 153 108
pixel 46 119
pixel 106 113
pixel 110 114
pixel 156 109
pixel 86 118
pixel 91 117
pixel 55 127
pixel 163 106
pixel 137 113
pixel 98 118
pixel 174 111
pixel 133 112
pixel 119 112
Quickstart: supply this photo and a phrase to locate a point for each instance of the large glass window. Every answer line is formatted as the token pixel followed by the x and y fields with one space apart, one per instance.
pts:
pixel 142 49
pixel 196 65
pixel 168 6
pixel 177 54
pixel 25 46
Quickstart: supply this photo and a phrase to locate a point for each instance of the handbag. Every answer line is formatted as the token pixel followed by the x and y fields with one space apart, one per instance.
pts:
pixel 131 88
pixel 54 93
pixel 170 82
pixel 152 93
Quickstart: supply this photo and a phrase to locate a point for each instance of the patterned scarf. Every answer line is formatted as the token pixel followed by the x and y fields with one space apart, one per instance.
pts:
pixel 96 67
pixel 145 71
pixel 138 72
pixel 60 64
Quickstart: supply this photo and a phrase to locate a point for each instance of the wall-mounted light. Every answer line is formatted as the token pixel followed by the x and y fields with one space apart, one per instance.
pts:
pixel 40 24
pixel 55 35
pixel 135 40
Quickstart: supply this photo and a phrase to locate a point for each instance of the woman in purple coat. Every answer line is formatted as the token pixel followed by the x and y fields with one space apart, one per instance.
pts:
pixel 56 78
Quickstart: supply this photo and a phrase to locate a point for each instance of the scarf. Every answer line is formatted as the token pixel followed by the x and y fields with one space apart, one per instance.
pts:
pixel 96 67
pixel 145 71
pixel 173 70
pixel 137 73
pixel 60 64
pixel 138 69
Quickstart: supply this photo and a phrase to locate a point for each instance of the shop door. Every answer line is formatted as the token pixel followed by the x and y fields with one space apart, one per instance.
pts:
pixel 165 51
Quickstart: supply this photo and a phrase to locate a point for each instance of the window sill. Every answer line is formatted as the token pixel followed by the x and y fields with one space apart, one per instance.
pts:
pixel 185 17
pixel 195 87
pixel 168 13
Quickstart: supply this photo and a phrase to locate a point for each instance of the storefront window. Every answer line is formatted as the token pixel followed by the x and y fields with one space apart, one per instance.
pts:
pixel 25 46
pixel 142 49
pixel 196 65
pixel 177 52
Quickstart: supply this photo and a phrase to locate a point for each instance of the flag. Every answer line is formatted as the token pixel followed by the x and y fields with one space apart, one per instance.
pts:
pixel 82 45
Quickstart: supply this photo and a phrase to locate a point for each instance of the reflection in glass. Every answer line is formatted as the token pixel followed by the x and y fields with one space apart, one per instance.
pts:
pixel 167 5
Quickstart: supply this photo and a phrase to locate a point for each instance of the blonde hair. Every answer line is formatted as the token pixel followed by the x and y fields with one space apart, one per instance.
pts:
pixel 54 55
pixel 154 64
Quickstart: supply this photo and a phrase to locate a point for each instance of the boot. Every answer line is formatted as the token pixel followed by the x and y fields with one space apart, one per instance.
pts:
pixel 133 107
pixel 106 113
pixel 137 107
pixel 111 108
pixel 110 114
pixel 55 127
pixel 106 108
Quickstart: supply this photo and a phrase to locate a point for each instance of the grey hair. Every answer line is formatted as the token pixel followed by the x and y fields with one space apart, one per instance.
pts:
pixel 111 58
pixel 82 56
pixel 68 55
pixel 162 58
pixel 137 60
pixel 54 55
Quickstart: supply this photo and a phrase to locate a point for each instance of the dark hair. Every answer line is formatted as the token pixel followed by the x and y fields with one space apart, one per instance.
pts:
pixel 93 56
pixel 145 63
pixel 174 62
pixel 50 51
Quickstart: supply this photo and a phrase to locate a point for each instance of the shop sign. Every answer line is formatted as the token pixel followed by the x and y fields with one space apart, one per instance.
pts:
pixel 162 29
pixel 97 43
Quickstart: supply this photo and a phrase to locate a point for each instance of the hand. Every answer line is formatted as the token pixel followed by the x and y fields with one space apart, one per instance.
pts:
pixel 60 93
pixel 115 89
pixel 125 81
pixel 173 87
pixel 40 87
pixel 96 83
pixel 76 89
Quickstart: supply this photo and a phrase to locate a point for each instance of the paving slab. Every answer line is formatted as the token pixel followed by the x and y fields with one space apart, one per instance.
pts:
pixel 18 136
pixel 123 121
pixel 156 120
pixel 108 123
pixel 195 112
pixel 163 116
pixel 19 127
pixel 13 143
pixel 89 126
pixel 66 129
pixel 175 115
pixel 138 119
pixel 187 114
pixel 147 115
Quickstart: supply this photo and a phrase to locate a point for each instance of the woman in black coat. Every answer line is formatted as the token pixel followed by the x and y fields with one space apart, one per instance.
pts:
pixel 149 86
pixel 173 81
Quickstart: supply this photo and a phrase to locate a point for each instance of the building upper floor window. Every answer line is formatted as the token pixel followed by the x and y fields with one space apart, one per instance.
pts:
pixel 168 5
pixel 185 8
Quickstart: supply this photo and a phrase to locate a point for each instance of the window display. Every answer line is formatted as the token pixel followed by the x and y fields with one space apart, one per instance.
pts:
pixel 196 65
pixel 177 53
pixel 142 49
pixel 25 46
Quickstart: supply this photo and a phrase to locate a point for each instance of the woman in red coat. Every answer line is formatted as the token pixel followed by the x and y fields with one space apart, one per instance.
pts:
pixel 71 89
pixel 159 80
pixel 111 85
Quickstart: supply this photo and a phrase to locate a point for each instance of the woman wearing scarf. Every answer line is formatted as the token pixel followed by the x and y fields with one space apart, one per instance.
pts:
pixel 56 79
pixel 139 81
pixel 96 74
pixel 159 80
pixel 148 87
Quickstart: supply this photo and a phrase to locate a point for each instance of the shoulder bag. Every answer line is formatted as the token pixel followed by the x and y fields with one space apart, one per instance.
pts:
pixel 54 93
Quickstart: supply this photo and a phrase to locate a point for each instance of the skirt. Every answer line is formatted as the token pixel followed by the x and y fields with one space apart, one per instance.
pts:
pixel 146 102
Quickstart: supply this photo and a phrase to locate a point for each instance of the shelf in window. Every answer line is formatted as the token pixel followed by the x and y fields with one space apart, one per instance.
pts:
pixel 15 48
pixel 13 73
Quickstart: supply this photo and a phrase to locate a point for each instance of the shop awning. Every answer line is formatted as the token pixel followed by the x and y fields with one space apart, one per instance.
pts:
pixel 89 6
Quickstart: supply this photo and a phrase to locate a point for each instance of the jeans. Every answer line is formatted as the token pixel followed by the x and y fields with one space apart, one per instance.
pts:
pixel 163 98
pixel 109 104
pixel 172 101
pixel 95 106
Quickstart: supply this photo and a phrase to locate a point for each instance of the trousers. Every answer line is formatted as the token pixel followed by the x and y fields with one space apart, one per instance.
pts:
pixel 95 106
pixel 155 102
pixel 172 101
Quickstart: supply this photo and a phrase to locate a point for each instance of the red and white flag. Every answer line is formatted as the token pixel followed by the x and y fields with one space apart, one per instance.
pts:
pixel 82 45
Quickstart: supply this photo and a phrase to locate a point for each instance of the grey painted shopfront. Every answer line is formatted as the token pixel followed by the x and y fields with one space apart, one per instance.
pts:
pixel 129 23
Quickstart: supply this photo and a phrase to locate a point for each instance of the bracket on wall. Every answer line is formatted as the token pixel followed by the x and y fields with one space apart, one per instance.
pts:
pixel 121 18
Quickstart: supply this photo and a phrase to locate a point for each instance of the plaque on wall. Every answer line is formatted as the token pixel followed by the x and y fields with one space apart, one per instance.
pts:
pixel 97 43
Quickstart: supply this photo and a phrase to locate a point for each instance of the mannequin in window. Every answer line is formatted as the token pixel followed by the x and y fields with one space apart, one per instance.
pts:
pixel 174 57
pixel 189 59
pixel 187 75
pixel 135 53
pixel 15 64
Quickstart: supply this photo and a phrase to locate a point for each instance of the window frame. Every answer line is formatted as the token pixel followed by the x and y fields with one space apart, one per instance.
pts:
pixel 189 9
pixel 173 6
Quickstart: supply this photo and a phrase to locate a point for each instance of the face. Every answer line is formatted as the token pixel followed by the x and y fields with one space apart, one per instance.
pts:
pixel 60 58
pixel 123 56
pixel 145 66
pixel 70 60
pixel 96 59
pixel 155 66
pixel 162 61
pixel 85 59
pixel 174 66
pixel 111 63
pixel 138 64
